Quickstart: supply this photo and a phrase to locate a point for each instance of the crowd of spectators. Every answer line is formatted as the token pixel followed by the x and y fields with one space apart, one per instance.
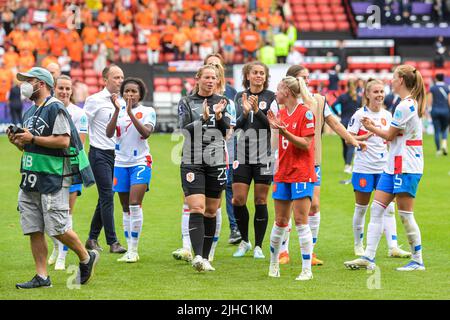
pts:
pixel 37 33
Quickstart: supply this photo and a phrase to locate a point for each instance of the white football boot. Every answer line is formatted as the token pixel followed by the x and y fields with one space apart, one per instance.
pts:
pixel 243 248
pixel 197 263
pixel 305 275
pixel 274 270
pixel 360 263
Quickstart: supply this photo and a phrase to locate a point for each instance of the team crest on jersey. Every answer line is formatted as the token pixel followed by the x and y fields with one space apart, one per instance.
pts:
pixel 190 177
pixel 294 126
pixel 309 115
pixel 139 115
pixel 383 121
pixel 263 105
pixel 235 164
pixel 362 183
pixel 398 114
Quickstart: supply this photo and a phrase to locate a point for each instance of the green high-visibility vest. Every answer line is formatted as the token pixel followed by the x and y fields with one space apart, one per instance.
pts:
pixel 42 168
pixel 292 34
pixel 281 41
pixel 267 55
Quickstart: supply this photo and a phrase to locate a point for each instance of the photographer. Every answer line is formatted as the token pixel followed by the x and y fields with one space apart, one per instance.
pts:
pixel 53 159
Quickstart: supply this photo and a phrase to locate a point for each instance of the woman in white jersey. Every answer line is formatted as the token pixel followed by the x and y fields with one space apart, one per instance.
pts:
pixel 132 125
pixel 368 166
pixel 403 171
pixel 63 92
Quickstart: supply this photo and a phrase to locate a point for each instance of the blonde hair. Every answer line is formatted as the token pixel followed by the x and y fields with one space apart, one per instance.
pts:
pixel 413 81
pixel 221 83
pixel 367 88
pixel 298 88
pixel 221 71
pixel 352 89
pixel 200 72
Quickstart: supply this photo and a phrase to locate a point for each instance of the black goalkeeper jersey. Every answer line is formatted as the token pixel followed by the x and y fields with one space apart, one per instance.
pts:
pixel 204 141
pixel 253 138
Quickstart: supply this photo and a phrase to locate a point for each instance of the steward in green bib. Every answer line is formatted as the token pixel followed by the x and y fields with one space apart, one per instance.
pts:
pixel 281 43
pixel 53 159
pixel 43 169
pixel 267 54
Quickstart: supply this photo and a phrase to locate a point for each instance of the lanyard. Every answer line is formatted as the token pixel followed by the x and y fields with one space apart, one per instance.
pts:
pixel 38 112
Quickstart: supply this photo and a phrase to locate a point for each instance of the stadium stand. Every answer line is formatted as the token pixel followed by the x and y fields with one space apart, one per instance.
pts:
pixel 152 33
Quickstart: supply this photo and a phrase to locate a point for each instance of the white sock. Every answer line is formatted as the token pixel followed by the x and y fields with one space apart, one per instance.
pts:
pixel 375 229
pixel 127 228
pixel 413 234
pixel 359 218
pixel 285 243
pixel 217 233
pixel 62 248
pixel 390 226
pixel 185 228
pixel 55 243
pixel 314 224
pixel 306 244
pixel 137 219
pixel 276 237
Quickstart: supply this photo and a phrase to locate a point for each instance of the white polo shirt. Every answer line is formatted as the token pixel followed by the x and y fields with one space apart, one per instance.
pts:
pixel 99 110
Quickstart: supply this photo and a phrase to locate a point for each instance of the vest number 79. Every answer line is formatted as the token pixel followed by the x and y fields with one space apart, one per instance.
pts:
pixel 29 178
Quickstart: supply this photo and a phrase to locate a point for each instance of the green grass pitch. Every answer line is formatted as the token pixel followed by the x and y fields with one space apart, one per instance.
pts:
pixel 159 276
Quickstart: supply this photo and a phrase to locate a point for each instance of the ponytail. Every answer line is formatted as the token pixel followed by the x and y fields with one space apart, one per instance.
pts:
pixel 414 83
pixel 298 88
pixel 352 90
pixel 305 94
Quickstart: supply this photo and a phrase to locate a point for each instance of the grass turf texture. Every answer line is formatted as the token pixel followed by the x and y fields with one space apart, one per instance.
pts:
pixel 158 276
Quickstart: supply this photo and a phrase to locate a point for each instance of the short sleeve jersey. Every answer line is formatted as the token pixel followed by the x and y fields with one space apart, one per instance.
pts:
pixel 79 118
pixel 295 164
pixel 372 160
pixel 131 148
pixel 406 151
pixel 254 141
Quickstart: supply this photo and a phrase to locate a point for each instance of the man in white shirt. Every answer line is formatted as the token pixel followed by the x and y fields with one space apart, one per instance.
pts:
pixel 99 109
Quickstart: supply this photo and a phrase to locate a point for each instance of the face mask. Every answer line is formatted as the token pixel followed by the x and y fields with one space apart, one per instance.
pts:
pixel 27 89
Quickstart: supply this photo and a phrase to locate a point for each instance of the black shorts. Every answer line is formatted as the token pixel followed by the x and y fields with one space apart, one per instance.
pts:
pixel 244 173
pixel 203 179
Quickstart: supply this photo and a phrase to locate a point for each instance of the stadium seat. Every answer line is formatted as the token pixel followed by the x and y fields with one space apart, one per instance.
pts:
pixel 160 82
pixel 316 26
pixel 161 88
pixel 314 17
pixel 89 81
pixel 74 73
pixel 174 82
pixel 90 73
pixel 175 89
